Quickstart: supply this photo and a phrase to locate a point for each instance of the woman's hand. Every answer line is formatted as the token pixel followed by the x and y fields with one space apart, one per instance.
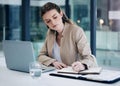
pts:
pixel 78 66
pixel 59 65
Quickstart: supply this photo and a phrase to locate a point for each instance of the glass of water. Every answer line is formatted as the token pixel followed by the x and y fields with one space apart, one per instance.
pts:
pixel 35 69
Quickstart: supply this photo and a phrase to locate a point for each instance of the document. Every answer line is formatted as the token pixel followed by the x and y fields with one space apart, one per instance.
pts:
pixel 94 70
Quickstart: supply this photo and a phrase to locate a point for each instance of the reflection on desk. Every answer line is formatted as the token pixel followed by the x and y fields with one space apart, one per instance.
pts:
pixel 15 78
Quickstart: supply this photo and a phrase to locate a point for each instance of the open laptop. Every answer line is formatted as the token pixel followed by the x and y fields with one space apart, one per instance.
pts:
pixel 18 55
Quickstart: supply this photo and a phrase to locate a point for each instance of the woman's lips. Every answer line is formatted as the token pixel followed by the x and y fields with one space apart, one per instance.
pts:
pixel 54 26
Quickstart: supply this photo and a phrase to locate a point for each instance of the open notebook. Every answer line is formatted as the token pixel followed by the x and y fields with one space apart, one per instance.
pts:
pixel 105 76
pixel 95 70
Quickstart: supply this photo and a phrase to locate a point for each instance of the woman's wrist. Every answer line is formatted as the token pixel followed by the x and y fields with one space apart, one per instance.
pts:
pixel 53 62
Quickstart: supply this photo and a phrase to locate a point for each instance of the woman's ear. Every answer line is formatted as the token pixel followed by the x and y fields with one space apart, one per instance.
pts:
pixel 61 13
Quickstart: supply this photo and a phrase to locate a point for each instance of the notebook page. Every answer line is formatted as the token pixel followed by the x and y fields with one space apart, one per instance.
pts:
pixel 89 71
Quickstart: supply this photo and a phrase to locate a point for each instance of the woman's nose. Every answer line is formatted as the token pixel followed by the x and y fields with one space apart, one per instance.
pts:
pixel 53 22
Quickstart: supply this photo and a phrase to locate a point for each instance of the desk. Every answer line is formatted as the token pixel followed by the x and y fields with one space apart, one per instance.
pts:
pixel 15 78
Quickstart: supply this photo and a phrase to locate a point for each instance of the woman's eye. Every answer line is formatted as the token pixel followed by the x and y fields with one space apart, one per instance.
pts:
pixel 55 17
pixel 48 21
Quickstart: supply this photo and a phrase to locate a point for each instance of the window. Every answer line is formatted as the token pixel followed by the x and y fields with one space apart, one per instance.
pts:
pixel 108 33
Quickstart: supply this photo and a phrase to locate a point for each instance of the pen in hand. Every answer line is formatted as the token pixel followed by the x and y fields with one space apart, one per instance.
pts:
pixel 78 66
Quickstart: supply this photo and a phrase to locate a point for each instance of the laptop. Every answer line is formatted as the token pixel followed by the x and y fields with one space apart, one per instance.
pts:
pixel 18 55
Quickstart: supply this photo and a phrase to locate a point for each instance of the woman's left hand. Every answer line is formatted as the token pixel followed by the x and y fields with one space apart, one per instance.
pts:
pixel 78 66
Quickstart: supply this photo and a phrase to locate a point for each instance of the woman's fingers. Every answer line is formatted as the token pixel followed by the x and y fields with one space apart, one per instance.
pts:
pixel 78 66
pixel 59 65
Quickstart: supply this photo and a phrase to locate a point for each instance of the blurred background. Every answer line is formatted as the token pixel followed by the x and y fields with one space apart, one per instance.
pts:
pixel 20 20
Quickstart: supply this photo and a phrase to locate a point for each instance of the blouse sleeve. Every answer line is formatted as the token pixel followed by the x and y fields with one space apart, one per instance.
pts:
pixel 43 57
pixel 84 49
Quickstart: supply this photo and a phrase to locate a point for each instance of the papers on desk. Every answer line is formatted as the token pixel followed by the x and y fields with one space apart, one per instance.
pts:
pixel 106 76
pixel 95 70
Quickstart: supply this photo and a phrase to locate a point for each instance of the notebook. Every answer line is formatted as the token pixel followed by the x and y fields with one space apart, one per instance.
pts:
pixel 18 55
pixel 106 76
pixel 94 70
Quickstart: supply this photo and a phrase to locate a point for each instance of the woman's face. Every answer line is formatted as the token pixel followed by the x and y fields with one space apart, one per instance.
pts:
pixel 53 20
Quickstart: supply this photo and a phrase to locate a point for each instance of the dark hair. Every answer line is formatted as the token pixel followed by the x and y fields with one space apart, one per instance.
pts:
pixel 49 6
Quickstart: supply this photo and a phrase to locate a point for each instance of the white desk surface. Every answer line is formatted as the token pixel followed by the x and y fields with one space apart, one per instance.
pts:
pixel 15 78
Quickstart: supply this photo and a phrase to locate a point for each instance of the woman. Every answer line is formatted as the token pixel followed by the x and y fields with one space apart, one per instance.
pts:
pixel 66 43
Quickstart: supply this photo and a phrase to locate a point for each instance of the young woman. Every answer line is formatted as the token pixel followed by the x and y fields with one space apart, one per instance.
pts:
pixel 66 43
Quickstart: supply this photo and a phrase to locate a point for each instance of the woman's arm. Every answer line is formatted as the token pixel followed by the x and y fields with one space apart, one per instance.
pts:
pixel 84 49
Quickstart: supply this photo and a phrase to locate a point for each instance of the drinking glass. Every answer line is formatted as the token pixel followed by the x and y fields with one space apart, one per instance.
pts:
pixel 35 69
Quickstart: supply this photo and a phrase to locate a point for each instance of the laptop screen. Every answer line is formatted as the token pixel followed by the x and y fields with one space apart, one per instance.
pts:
pixel 18 54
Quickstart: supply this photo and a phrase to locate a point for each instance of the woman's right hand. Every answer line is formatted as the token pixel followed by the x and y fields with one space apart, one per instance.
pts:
pixel 59 65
